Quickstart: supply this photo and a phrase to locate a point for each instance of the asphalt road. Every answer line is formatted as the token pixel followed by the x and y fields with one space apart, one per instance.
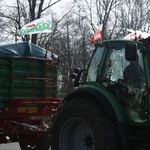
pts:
pixel 10 146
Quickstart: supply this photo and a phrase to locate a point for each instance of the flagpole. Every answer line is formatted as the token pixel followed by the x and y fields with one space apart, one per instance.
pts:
pixel 30 38
pixel 52 38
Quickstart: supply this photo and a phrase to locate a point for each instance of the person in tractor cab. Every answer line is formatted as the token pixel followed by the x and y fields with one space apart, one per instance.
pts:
pixel 134 74
pixel 134 78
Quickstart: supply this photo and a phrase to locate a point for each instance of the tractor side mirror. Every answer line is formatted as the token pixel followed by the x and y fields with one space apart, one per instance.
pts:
pixel 75 73
pixel 77 79
pixel 76 70
pixel 130 52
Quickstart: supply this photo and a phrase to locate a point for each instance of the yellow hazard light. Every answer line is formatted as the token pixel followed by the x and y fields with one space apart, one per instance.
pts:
pixel 27 109
pixel 6 109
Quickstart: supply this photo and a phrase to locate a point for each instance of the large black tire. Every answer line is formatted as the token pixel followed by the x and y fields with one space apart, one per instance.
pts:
pixel 42 143
pixel 82 125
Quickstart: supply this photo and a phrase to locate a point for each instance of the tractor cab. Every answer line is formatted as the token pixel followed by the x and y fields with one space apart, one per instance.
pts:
pixel 121 67
pixel 109 108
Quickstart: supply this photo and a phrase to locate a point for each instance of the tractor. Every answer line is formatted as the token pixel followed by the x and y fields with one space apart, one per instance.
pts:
pixel 109 108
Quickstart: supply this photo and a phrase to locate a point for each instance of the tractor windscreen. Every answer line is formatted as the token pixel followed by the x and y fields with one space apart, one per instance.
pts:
pixel 119 68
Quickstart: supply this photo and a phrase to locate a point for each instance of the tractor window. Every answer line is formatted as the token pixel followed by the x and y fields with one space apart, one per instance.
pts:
pixel 117 65
pixel 94 64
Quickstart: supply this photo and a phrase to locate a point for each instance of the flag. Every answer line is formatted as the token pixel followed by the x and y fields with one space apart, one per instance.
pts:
pixel 42 25
pixel 133 36
pixel 136 35
pixel 97 36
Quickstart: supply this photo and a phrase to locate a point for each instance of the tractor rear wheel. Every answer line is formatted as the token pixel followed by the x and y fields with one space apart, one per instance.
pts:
pixel 82 125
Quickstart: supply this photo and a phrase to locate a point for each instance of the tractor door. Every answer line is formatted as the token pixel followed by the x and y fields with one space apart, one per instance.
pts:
pixel 125 79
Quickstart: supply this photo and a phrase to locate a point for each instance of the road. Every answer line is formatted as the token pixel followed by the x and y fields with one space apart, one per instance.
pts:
pixel 10 146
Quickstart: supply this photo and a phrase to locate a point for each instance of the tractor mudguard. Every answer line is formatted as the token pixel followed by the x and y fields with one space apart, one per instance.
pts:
pixel 108 102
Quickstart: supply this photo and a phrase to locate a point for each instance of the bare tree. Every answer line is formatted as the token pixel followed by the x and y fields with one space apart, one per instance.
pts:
pixel 24 12
pixel 71 42
pixel 135 15
pixel 73 30
pixel 99 12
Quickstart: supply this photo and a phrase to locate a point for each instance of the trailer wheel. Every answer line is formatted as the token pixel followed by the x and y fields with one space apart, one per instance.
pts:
pixel 40 142
pixel 81 125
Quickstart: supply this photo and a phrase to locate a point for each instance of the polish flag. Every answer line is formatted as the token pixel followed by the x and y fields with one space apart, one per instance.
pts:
pixel 97 36
pixel 133 36
pixel 136 35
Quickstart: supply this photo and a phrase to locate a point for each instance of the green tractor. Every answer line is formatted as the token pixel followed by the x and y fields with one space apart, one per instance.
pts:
pixel 110 108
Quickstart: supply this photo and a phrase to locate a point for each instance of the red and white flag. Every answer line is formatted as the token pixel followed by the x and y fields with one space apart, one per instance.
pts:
pixel 97 36
pixel 136 35
pixel 133 36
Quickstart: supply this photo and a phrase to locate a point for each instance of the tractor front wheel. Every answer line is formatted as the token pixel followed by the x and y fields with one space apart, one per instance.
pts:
pixel 82 125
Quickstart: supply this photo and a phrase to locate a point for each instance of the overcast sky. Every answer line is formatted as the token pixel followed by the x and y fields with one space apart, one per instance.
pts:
pixel 61 4
pixel 56 9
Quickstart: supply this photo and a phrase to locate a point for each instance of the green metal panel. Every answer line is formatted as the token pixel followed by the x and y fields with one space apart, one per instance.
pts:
pixel 114 103
pixel 24 78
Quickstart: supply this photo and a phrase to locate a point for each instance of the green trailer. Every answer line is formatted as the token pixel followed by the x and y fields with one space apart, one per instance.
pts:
pixel 28 94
